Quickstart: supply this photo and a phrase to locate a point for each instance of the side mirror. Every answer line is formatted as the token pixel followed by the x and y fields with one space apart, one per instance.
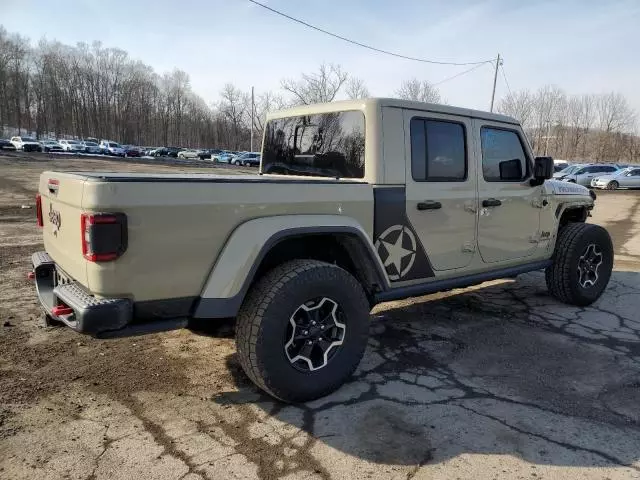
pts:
pixel 511 170
pixel 542 170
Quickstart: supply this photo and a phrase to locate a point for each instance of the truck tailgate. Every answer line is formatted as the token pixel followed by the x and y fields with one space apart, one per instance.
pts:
pixel 61 200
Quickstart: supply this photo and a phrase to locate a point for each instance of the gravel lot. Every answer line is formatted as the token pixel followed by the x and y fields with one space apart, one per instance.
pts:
pixel 495 381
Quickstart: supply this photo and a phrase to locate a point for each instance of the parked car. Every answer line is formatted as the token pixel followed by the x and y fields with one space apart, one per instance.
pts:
pixel 72 146
pixel 90 146
pixel 6 144
pixel 625 178
pixel 223 157
pixel 51 146
pixel 131 151
pixel 189 153
pixel 559 165
pixel 26 144
pixel 207 153
pixel 583 174
pixel 167 152
pixel 109 147
pixel 249 159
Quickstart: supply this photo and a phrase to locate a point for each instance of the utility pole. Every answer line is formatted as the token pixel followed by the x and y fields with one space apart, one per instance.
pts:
pixel 546 144
pixel 252 110
pixel 495 80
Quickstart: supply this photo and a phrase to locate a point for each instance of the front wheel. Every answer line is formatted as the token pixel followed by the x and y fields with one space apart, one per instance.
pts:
pixel 302 330
pixel 613 185
pixel 582 264
pixel 237 163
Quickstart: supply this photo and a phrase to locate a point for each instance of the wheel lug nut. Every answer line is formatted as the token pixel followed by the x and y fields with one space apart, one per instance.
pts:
pixel 305 332
pixel 309 342
pixel 321 327
pixel 313 322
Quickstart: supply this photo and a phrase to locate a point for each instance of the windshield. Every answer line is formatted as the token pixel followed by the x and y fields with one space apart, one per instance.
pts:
pixel 91 144
pixel 114 145
pixel 72 142
pixel 27 139
pixel 325 145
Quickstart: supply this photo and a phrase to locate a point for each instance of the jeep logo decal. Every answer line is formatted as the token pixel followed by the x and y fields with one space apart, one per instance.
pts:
pixel 55 219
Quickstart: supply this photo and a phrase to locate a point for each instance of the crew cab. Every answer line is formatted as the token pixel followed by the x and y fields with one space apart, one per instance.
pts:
pixel 356 203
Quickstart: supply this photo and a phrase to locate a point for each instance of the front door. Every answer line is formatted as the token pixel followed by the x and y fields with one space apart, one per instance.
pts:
pixel 441 194
pixel 509 220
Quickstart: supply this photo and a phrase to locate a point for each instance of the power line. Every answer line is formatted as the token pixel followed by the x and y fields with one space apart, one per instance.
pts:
pixel 354 42
pixel 504 75
pixel 461 73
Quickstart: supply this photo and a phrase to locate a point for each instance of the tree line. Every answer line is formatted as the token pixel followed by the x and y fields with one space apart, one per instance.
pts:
pixel 53 89
pixel 596 127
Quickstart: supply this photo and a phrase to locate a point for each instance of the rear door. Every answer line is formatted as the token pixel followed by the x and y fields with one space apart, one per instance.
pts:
pixel 509 220
pixel 441 193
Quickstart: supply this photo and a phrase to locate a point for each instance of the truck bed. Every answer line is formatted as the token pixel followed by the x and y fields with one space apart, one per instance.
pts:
pixel 177 223
pixel 208 178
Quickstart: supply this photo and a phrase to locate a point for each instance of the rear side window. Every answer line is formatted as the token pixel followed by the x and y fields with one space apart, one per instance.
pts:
pixel 503 157
pixel 325 144
pixel 438 151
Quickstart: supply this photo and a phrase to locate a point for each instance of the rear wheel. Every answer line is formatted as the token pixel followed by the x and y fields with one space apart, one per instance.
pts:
pixel 237 163
pixel 582 264
pixel 613 185
pixel 302 330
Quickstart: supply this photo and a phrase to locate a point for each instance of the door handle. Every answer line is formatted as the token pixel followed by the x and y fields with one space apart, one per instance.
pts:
pixel 429 205
pixel 491 202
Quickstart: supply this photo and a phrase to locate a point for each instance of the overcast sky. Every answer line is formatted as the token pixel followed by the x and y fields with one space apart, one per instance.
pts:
pixel 582 46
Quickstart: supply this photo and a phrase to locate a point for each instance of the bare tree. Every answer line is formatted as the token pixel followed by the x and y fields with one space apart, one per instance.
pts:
pixel 264 103
pixel 318 87
pixel 233 105
pixel 419 91
pixel 519 105
pixel 356 88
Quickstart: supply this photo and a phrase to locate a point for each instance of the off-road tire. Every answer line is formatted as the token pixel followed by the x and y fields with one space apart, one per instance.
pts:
pixel 612 185
pixel 264 317
pixel 562 276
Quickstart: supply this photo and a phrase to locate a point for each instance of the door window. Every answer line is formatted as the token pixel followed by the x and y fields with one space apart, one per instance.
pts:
pixel 503 157
pixel 438 151
pixel 634 173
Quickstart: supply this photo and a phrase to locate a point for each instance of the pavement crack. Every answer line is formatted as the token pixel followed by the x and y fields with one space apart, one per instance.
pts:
pixel 568 446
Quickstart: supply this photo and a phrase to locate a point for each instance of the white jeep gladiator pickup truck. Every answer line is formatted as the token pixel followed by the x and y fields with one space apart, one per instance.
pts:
pixel 356 203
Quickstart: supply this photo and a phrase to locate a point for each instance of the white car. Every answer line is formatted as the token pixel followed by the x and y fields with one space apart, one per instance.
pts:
pixel 91 147
pixel 108 147
pixel 72 146
pixel 583 174
pixel 626 178
pixel 188 153
pixel 26 144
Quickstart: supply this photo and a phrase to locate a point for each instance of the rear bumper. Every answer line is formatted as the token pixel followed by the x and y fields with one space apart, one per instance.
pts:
pixel 85 313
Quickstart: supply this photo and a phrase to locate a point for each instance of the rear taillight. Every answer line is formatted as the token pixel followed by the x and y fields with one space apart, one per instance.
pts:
pixel 104 236
pixel 39 210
